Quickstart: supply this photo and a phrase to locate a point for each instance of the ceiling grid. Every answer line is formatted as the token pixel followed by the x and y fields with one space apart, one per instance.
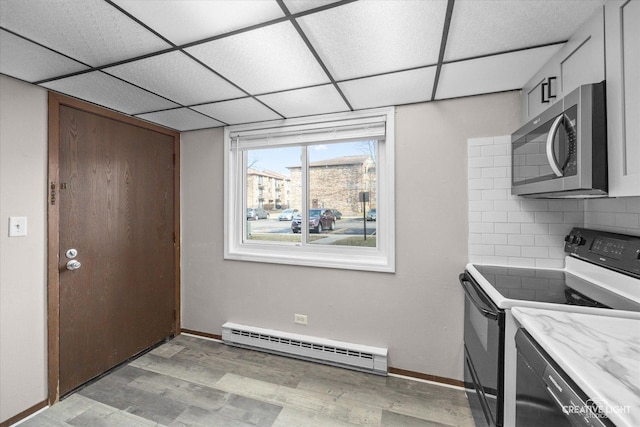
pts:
pixel 189 64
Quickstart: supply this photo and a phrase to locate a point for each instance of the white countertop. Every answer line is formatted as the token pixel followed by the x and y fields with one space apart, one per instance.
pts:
pixel 600 353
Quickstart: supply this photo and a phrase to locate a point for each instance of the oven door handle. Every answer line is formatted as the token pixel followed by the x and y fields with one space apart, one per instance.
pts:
pixel 484 311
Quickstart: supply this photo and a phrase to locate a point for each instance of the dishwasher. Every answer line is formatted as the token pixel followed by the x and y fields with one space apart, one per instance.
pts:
pixel 545 395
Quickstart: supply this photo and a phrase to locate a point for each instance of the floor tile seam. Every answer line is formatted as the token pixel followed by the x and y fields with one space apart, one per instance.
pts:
pixel 280 398
pixel 112 409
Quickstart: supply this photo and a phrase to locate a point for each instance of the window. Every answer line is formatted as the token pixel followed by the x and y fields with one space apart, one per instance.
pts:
pixel 324 186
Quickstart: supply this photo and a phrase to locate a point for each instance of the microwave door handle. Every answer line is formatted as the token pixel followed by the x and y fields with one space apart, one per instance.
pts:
pixel 550 138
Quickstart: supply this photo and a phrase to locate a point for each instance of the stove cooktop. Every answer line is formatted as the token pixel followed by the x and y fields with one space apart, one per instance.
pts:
pixel 552 286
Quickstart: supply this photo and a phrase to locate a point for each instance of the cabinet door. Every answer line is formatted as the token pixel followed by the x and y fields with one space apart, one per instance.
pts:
pixel 580 61
pixel 623 97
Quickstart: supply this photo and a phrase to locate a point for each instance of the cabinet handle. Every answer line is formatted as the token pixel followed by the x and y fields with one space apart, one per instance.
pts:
pixel 542 98
pixel 549 80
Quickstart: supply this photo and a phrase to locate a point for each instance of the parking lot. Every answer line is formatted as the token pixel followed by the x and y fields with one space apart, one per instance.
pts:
pixel 345 226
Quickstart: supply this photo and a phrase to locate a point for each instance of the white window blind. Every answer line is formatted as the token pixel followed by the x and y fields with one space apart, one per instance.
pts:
pixel 366 128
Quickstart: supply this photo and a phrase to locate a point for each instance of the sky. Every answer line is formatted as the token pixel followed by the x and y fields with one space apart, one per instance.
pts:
pixel 277 159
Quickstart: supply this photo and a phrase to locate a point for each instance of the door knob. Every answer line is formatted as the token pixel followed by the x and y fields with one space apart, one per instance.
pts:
pixel 71 253
pixel 73 265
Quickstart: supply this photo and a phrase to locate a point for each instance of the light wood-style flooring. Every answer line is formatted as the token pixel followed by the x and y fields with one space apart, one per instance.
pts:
pixel 191 381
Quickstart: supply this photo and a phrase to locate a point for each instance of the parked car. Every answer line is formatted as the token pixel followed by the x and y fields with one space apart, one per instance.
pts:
pixel 287 214
pixel 319 219
pixel 257 213
pixel 336 213
pixel 371 215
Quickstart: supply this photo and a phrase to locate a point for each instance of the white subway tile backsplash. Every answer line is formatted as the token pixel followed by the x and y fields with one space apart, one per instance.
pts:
pixel 495 260
pixel 481 249
pixel 494 194
pixel 480 205
pixel 493 216
pixel 475 216
pixel 549 217
pixel 563 205
pixel 534 252
pixel 606 205
pixel 475 195
pixel 475 238
pixel 502 183
pixel 535 228
pixel 521 262
pixel 600 218
pixel 509 205
pixel 481 227
pixel 476 142
pixel 627 220
pixel 506 229
pixel 521 239
pixel 494 239
pixel 573 217
pixel 521 217
pixel 481 162
pixel 535 205
pixel 481 184
pixel 503 161
pixel 494 172
pixel 507 250
pixel 549 240
pixel 633 203
pixel 474 152
pixel 494 150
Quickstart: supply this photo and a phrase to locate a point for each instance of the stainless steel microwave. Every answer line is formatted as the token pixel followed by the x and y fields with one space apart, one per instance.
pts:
pixel 563 152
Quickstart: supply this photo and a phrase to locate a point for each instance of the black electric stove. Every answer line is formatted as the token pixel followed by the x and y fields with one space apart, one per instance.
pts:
pixel 602 274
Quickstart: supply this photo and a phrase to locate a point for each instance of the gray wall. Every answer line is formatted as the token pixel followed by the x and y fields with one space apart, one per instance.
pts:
pixel 417 312
pixel 23 186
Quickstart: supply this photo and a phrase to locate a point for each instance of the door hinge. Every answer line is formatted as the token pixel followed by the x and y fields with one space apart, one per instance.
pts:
pixel 174 237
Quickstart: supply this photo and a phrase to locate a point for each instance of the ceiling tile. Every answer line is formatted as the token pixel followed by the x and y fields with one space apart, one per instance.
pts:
pixel 238 111
pixel 297 6
pixel 267 59
pixel 181 119
pixel 91 31
pixel 200 19
pixel 177 77
pixel 404 87
pixel 105 90
pixel 306 102
pixel 492 73
pixel 372 37
pixel 493 26
pixel 31 62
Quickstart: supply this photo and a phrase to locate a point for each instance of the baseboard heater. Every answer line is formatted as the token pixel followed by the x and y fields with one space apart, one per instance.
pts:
pixel 337 353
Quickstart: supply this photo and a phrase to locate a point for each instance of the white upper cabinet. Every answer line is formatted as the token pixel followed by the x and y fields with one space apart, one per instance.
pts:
pixel 623 96
pixel 580 61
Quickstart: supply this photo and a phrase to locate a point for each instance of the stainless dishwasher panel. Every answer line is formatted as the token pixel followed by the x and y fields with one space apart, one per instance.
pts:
pixel 545 395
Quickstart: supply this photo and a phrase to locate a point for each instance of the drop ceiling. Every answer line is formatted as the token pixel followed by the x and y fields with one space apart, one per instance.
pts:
pixel 193 64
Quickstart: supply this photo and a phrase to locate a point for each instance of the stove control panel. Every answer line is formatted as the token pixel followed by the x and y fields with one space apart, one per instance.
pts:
pixel 618 252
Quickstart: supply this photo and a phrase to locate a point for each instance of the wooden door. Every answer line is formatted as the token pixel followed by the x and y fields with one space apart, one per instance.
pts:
pixel 116 203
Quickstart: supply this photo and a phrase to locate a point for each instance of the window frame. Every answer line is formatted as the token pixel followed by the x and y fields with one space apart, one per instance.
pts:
pixel 381 258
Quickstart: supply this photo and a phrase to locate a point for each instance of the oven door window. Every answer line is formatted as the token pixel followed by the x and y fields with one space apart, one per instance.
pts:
pixel 532 162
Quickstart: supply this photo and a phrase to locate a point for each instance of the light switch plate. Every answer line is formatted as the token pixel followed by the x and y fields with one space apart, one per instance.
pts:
pixel 17 226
